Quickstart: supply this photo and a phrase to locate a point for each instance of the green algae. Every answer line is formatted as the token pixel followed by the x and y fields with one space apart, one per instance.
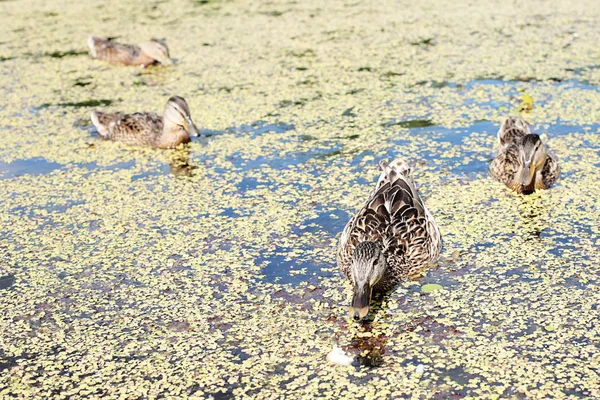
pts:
pixel 147 273
pixel 84 103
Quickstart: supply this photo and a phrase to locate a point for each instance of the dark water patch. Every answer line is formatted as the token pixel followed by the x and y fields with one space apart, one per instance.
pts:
pixel 365 69
pixel 392 74
pixel 273 13
pixel 6 281
pixel 438 84
pixel 424 42
pixel 354 91
pixel 349 113
pixel 306 138
pixel 6 58
pixel 77 104
pixel 30 166
pixel 410 124
pixel 300 102
pixel 83 81
pixel 307 82
pixel 63 54
pixel 308 53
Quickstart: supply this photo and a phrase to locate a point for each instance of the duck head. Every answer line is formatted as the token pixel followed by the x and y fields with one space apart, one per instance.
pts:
pixel 367 269
pixel 177 112
pixel 532 156
pixel 158 50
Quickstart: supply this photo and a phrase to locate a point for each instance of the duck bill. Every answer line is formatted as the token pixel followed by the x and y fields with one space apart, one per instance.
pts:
pixel 166 61
pixel 190 128
pixel 527 175
pixel 360 301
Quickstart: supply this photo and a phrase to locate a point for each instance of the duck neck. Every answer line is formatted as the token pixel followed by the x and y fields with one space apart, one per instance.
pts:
pixel 173 135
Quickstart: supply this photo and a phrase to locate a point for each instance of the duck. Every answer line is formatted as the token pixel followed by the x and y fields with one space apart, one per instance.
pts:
pixel 148 53
pixel 391 238
pixel 522 161
pixel 148 129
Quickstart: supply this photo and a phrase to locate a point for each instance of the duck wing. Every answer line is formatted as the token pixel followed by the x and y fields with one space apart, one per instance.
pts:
pixel 550 173
pixel 143 129
pixel 505 165
pixel 395 216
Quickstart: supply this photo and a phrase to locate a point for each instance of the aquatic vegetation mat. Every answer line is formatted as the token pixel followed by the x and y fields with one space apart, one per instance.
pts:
pixel 210 270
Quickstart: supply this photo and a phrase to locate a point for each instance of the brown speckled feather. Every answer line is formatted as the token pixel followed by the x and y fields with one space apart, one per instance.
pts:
pixel 549 174
pixel 143 129
pixel 396 217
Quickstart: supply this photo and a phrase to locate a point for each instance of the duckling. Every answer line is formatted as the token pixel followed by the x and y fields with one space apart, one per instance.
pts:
pixel 391 238
pixel 146 54
pixel 522 162
pixel 148 129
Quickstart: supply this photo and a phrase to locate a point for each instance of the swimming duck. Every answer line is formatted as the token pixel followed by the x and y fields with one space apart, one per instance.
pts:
pixel 148 129
pixel 146 54
pixel 390 239
pixel 522 162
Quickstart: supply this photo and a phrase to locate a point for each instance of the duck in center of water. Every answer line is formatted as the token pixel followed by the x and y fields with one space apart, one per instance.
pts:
pixel 391 238
pixel 523 162
pixel 147 53
pixel 148 129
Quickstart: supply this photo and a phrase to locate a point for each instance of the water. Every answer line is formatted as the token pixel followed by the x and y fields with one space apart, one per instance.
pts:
pixel 212 270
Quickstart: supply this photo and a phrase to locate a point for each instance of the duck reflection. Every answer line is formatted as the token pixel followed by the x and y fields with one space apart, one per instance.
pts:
pixel 179 162
pixel 534 215
pixel 370 348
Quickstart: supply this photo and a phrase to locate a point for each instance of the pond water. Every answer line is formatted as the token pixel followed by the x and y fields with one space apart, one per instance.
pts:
pixel 210 270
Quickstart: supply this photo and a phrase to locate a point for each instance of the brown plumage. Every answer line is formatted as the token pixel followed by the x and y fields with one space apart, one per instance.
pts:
pixel 391 238
pixel 148 129
pixel 148 53
pixel 522 161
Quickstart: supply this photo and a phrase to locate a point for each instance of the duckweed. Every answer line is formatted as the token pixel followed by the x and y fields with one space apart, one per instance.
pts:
pixel 210 270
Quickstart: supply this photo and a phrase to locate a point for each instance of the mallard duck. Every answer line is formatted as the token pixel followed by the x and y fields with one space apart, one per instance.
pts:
pixel 523 162
pixel 148 129
pixel 390 239
pixel 128 54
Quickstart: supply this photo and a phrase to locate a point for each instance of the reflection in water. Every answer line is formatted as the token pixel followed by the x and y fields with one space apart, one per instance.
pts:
pixel 533 213
pixel 369 349
pixel 179 162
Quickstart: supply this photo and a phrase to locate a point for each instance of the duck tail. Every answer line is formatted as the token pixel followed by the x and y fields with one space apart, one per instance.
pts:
pixel 92 42
pixel 511 129
pixel 96 117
